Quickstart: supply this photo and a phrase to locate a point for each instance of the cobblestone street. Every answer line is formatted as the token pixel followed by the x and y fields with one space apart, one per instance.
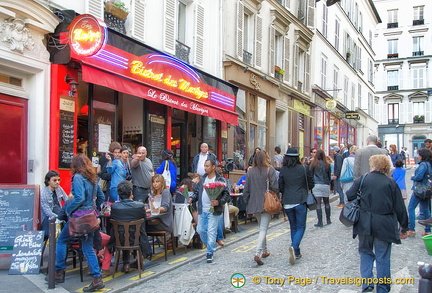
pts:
pixel 328 252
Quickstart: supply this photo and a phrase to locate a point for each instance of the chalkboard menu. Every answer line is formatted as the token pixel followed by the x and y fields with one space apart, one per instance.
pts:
pixel 157 139
pixel 27 252
pixel 67 131
pixel 18 211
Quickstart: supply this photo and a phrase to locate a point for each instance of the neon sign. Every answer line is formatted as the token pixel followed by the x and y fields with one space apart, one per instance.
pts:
pixel 87 35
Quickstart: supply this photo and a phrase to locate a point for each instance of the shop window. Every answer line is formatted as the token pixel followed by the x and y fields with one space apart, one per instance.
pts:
pixel 239 153
pixel 210 133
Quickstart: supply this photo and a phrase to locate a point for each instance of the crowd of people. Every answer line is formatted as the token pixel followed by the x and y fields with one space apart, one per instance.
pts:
pixel 134 188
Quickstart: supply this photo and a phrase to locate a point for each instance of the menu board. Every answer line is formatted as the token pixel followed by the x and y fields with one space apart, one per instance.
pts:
pixel 27 253
pixel 67 131
pixel 18 212
pixel 157 139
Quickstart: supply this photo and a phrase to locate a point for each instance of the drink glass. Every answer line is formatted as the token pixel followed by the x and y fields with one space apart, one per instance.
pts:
pixel 155 212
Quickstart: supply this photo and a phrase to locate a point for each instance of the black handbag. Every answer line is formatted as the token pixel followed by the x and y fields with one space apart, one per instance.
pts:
pixel 311 201
pixel 351 211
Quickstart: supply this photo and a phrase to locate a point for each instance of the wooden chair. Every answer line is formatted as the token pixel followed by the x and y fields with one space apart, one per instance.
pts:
pixel 135 246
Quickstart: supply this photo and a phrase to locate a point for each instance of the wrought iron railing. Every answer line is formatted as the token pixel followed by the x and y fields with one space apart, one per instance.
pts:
pixel 182 52
pixel 247 57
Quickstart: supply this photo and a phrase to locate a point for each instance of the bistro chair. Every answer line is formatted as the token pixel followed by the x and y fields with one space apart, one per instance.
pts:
pixel 164 234
pixel 74 250
pixel 135 246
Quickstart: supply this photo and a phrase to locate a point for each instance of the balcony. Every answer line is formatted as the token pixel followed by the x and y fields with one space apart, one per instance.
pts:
pixel 393 56
pixel 392 24
pixel 418 53
pixel 418 119
pixel 182 52
pixel 278 75
pixel 393 88
pixel 247 57
pixel 393 121
pixel 418 22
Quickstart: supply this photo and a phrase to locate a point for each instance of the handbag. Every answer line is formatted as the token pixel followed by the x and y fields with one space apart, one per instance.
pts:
pixel 311 201
pixel 351 211
pixel 83 222
pixel 423 191
pixel 272 203
pixel 348 175
pixel 166 174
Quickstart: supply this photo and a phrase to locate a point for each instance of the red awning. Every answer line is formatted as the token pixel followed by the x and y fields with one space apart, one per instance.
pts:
pixel 102 78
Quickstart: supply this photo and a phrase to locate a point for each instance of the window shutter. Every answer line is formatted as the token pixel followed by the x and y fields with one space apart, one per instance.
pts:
pixel 272 51
pixel 138 19
pixel 169 26
pixel 307 75
pixel 311 13
pixel 199 36
pixel 96 8
pixel 258 40
pixel 240 19
pixel 286 58
pixel 295 73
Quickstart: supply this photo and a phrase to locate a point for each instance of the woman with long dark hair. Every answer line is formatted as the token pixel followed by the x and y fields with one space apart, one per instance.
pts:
pixel 84 189
pixel 119 170
pixel 295 181
pixel 169 164
pixel 253 194
pixel 322 176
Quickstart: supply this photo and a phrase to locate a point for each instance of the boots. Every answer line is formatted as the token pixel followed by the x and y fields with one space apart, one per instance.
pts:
pixel 319 216
pixel 327 211
pixel 95 285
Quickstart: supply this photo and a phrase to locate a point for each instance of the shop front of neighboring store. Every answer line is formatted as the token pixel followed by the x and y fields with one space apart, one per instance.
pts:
pixel 116 89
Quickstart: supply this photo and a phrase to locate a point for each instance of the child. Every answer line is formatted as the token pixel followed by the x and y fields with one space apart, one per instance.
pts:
pixel 399 176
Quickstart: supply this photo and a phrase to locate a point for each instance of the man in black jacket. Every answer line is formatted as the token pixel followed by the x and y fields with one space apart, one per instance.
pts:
pixel 338 161
pixel 128 210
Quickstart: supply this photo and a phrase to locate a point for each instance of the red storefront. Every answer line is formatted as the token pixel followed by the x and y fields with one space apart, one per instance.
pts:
pixel 114 88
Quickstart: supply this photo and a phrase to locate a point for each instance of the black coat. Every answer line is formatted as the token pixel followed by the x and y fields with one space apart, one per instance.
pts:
pixel 128 210
pixel 293 184
pixel 381 208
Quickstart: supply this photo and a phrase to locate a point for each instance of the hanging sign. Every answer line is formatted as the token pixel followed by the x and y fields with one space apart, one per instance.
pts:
pixel 331 104
pixel 87 35
pixel 352 115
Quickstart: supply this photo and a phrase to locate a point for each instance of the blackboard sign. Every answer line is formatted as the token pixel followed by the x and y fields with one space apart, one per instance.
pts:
pixel 27 253
pixel 157 140
pixel 18 211
pixel 67 131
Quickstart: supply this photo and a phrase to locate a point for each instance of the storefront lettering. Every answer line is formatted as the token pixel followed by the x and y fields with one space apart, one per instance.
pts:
pixel 197 108
pixel 82 35
pixel 138 68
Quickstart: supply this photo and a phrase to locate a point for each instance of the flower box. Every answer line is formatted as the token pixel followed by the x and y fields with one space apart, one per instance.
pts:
pixel 115 10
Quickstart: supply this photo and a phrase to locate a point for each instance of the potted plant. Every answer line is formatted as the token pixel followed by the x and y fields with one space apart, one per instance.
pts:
pixel 419 118
pixel 348 54
pixel 117 9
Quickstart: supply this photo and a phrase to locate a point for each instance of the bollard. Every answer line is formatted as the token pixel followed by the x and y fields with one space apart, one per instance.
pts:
pixel 52 253
pixel 425 283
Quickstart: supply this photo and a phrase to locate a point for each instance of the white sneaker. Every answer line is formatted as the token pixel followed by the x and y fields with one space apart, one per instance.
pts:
pixel 292 255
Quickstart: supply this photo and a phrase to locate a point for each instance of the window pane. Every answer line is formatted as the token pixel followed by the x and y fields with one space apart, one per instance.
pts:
pixel 252 132
pixel 262 137
pixel 209 132
pixel 252 107
pixel 240 145
pixel 262 111
pixel 241 104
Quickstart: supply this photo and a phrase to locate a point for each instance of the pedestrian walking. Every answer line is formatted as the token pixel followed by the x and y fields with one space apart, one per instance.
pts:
pixel 295 181
pixel 348 163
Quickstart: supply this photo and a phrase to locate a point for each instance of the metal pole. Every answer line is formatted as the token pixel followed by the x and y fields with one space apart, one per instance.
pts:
pixel 52 253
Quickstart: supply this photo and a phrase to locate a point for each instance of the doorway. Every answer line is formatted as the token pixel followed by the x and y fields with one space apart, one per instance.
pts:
pixel 180 149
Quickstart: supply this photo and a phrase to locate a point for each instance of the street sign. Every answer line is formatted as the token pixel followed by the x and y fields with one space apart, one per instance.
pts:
pixel 352 115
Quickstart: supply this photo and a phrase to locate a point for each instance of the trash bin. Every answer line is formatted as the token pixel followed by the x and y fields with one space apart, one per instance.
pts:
pixel 427 239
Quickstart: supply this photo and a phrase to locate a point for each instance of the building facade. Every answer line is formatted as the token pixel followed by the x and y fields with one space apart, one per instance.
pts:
pixel 403 79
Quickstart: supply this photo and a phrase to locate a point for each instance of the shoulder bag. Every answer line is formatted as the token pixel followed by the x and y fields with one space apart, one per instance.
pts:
pixel 348 175
pixel 311 201
pixel 351 211
pixel 83 222
pixel 272 203
pixel 166 174
pixel 424 191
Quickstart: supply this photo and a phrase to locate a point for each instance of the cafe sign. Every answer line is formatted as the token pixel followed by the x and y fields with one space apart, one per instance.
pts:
pixel 352 115
pixel 87 35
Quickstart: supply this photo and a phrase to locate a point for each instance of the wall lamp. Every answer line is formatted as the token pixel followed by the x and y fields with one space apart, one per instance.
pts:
pixel 73 84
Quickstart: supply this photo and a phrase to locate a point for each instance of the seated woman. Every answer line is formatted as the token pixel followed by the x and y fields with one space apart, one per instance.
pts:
pixel 51 197
pixel 160 201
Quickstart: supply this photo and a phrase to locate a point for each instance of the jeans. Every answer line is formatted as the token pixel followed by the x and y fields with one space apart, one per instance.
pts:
pixel 424 208
pixel 207 229
pixel 340 191
pixel 220 229
pixel 87 248
pixel 114 195
pixel 367 245
pixel 297 219
pixel 263 222
pixel 140 193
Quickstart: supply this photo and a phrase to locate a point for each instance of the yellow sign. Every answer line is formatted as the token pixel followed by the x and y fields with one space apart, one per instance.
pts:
pixel 331 104
pixel 302 108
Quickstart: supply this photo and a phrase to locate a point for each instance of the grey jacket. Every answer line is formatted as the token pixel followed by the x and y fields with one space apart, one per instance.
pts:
pixel 361 161
pixel 256 186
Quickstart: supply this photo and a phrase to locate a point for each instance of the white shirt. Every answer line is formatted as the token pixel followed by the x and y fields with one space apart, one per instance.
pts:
pixel 200 166
pixel 205 198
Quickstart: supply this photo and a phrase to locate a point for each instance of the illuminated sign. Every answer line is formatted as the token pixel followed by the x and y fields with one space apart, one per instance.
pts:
pixel 87 35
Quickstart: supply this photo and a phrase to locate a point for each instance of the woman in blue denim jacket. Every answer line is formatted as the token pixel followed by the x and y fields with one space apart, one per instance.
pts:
pixel 119 170
pixel 420 177
pixel 83 187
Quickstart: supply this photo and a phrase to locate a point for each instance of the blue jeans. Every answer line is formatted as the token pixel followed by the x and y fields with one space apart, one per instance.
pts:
pixel 297 219
pixel 424 207
pixel 207 229
pixel 114 194
pixel 367 245
pixel 340 191
pixel 220 229
pixel 87 247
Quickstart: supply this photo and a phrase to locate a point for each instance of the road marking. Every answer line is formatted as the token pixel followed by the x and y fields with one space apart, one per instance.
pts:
pixel 101 290
pixel 75 269
pixel 145 274
pixel 178 260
